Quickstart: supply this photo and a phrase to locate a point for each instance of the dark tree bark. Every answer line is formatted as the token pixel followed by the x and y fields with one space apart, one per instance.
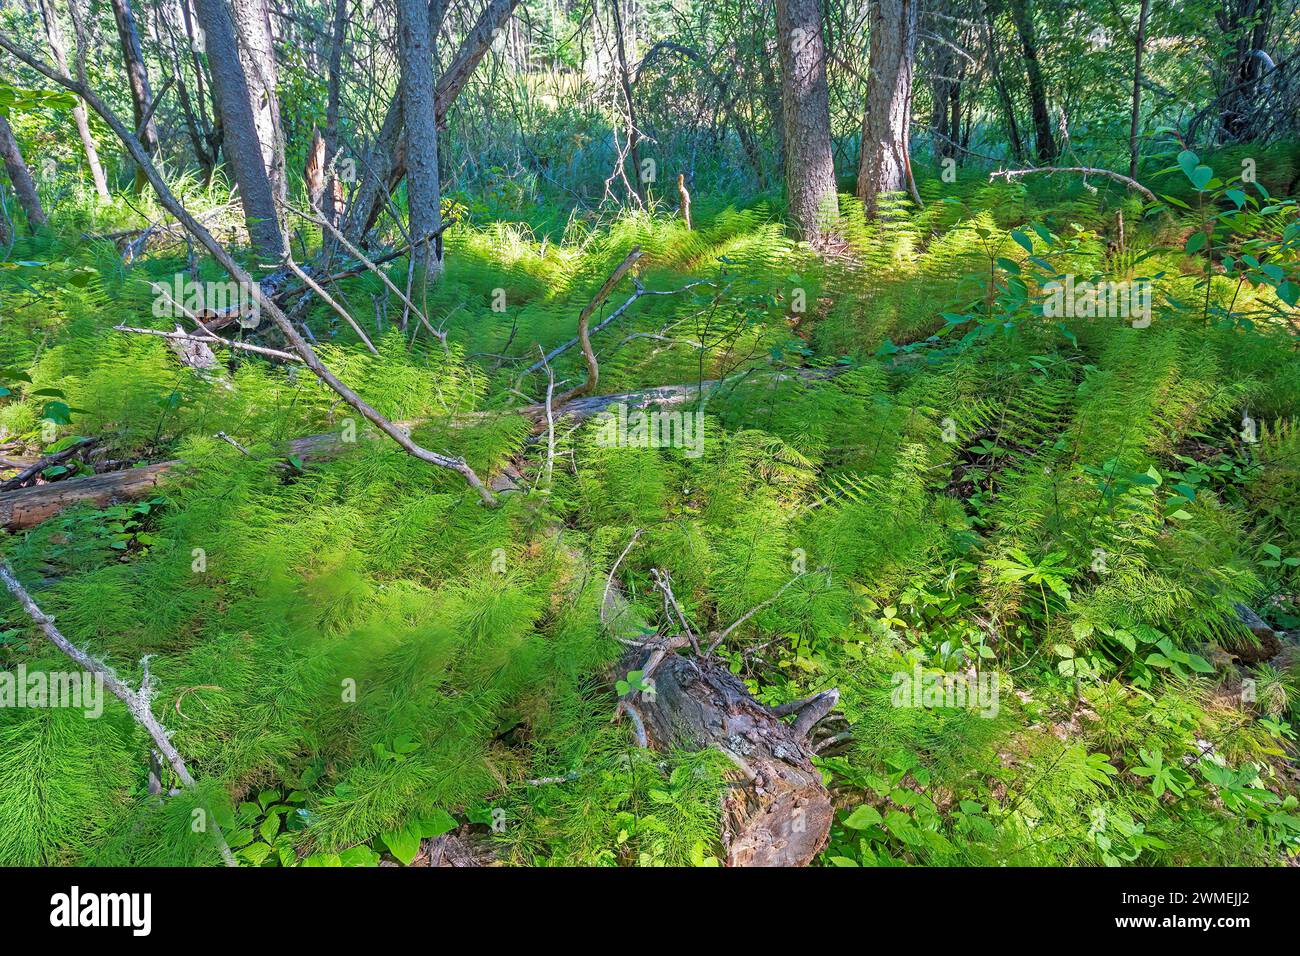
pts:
pixel 1138 46
pixel 20 176
pixel 204 138
pixel 1000 84
pixel 805 105
pixel 239 130
pixel 1044 142
pixel 941 96
pixel 1245 23
pixel 137 76
pixel 777 811
pixel 884 165
pixel 59 51
pixel 415 53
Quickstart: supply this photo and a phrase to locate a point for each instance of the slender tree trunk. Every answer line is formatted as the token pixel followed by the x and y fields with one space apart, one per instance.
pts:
pixel 1000 84
pixel 1245 24
pixel 385 166
pixel 887 121
pixel 333 209
pixel 625 83
pixel 137 76
pixel 415 54
pixel 239 130
pixel 1044 143
pixel 1139 44
pixel 59 50
pixel 205 135
pixel 20 176
pixel 941 93
pixel 805 106
pixel 257 52
pixel 772 100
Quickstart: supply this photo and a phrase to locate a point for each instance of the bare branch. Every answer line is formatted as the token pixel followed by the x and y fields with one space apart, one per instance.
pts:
pixel 593 368
pixel 137 702
pixel 1007 174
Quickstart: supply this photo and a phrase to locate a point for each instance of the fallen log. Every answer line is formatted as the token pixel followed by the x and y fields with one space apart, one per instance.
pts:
pixel 778 812
pixel 28 507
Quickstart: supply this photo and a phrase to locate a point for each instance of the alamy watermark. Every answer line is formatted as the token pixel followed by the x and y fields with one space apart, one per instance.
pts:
pixel 77 690
pixel 1089 300
pixel 617 427
pixel 934 689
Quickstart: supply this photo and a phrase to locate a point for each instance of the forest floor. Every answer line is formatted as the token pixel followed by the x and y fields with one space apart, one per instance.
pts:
pixel 1019 545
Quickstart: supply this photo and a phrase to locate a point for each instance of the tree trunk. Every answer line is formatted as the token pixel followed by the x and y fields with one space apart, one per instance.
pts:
pixel 805 106
pixel 886 123
pixel 415 55
pixel 333 208
pixel 1000 84
pixel 1043 140
pixel 1245 25
pixel 203 138
pixel 20 176
pixel 625 84
pixel 257 53
pixel 59 50
pixel 1139 44
pixel 385 167
pixel 941 64
pixel 137 76
pixel 239 130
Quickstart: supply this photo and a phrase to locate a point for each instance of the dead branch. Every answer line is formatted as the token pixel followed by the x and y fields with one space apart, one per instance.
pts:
pixel 219 252
pixel 671 606
pixel 139 703
pixel 212 340
pixel 34 469
pixel 609 579
pixel 28 507
pixel 721 636
pixel 325 297
pixel 1007 174
pixel 550 425
pixel 321 220
pixel 614 316
pixel 593 368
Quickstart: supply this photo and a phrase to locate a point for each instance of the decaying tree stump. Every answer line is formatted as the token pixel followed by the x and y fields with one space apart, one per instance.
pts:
pixel 778 812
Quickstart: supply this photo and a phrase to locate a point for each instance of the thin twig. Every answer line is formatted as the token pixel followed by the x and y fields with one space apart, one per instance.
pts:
pixel 722 635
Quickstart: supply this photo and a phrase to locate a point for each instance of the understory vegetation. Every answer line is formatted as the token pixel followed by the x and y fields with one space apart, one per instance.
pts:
pixel 1071 505
pixel 974 456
